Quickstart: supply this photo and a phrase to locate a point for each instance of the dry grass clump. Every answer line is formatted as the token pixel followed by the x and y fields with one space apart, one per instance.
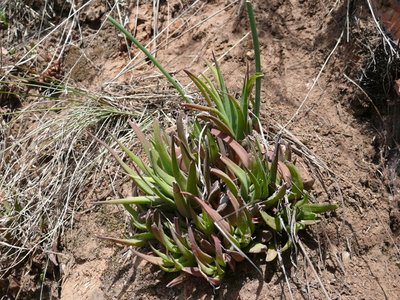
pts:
pixel 47 160
pixel 25 15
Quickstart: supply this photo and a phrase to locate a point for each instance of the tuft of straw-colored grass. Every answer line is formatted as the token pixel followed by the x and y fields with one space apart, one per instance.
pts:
pixel 47 163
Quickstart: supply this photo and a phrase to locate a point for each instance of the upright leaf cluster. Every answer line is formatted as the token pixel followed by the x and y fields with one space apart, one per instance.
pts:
pixel 213 191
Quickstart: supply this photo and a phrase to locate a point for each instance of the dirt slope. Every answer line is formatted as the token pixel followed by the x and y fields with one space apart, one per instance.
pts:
pixel 358 253
pixel 310 49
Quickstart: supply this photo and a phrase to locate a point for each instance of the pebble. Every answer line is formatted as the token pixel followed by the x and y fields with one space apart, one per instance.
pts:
pixel 250 55
pixel 345 258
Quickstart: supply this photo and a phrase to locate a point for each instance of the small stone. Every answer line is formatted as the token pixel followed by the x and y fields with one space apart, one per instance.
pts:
pixel 345 258
pixel 250 55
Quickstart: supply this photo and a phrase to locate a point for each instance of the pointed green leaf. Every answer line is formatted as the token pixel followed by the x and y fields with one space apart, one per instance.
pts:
pixel 208 222
pixel 306 215
pixel 141 165
pixel 206 167
pixel 256 186
pixel 260 169
pixel 227 180
pixel 212 147
pixel 139 181
pixel 192 180
pixel 138 240
pixel 308 222
pixel 198 253
pixel 142 138
pixel 181 180
pixel 159 234
pixel 135 220
pixel 303 201
pixel 148 200
pixel 150 258
pixel 229 109
pixel 247 89
pixel 158 171
pixel 272 222
pixel 143 183
pixel 181 246
pixel 286 246
pixel 208 95
pixel 240 126
pixel 275 197
pixel 168 264
pixel 206 268
pixel 160 146
pixel 180 201
pixel 162 189
pixel 319 208
pixel 297 182
pixel 182 262
pixel 167 198
pixel 241 175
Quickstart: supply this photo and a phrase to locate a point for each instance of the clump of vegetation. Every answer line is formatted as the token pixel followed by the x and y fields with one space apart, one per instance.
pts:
pixel 216 189
pixel 205 199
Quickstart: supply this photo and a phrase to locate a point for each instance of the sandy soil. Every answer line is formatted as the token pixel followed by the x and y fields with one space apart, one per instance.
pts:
pixel 311 53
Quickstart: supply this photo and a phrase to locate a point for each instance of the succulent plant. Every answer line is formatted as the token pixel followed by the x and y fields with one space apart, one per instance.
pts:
pixel 214 190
